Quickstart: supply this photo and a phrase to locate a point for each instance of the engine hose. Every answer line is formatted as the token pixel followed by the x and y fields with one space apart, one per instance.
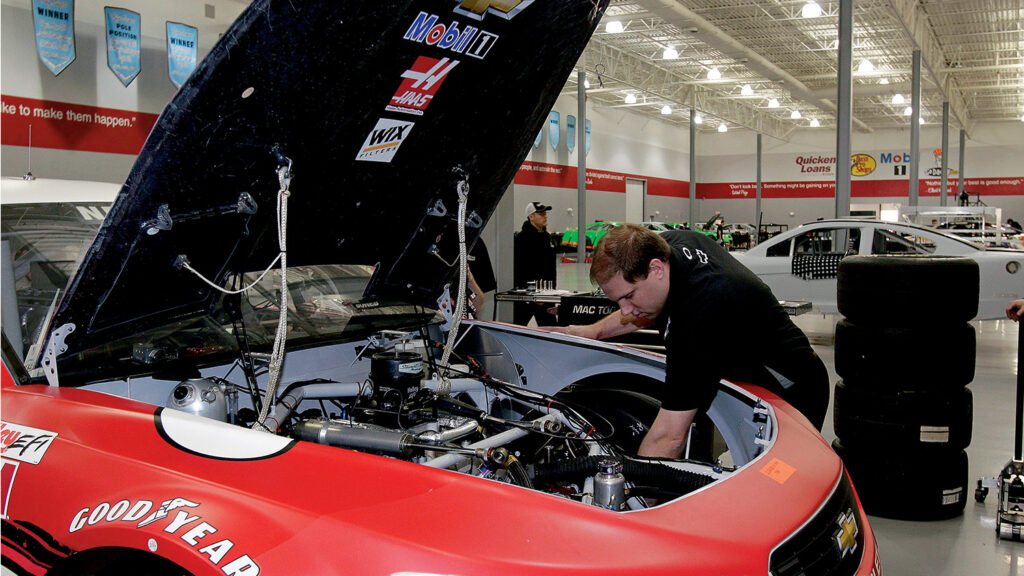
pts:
pixel 681 481
pixel 517 472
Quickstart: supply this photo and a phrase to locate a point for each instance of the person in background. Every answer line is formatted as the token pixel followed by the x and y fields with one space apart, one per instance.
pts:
pixel 534 261
pixel 481 278
pixel 1015 311
pixel 696 294
pixel 1014 224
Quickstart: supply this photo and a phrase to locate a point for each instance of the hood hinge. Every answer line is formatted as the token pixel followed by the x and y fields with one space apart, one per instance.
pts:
pixel 55 347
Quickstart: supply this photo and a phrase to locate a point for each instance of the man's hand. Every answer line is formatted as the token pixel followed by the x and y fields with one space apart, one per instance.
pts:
pixel 583 331
pixel 1015 310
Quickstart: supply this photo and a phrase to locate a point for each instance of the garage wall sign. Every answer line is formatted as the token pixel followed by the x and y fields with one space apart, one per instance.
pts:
pixel 554 119
pixel 182 52
pixel 124 43
pixel 570 132
pixel 54 22
pixel 68 126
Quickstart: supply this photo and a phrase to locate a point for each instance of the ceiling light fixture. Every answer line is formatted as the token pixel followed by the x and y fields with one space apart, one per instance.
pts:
pixel 883 81
pixel 908 110
pixel 630 98
pixel 920 120
pixel 666 109
pixel 865 67
pixel 811 10
pixel 586 84
pixel 898 99
pixel 698 118
pixel 670 53
pixel 1022 118
pixel 714 74
pixel 815 123
pixel 613 27
pixel 722 127
pixel 795 115
pixel 773 103
pixel 746 90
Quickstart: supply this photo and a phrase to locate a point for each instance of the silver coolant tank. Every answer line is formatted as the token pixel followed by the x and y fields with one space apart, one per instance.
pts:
pixel 610 485
pixel 200 396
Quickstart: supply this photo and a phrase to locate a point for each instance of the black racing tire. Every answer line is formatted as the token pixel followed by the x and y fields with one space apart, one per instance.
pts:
pixel 921 484
pixel 908 290
pixel 940 357
pixel 116 561
pixel 910 420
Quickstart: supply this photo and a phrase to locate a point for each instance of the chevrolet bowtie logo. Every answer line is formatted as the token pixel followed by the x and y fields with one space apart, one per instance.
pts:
pixel 846 536
pixel 476 9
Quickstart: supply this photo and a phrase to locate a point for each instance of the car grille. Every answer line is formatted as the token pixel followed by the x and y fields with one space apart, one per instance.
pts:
pixel 831 543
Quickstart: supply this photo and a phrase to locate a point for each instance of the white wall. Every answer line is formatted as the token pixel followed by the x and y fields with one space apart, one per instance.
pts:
pixel 88 81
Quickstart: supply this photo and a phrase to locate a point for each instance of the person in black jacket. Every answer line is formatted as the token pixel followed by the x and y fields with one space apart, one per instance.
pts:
pixel 534 261
pixel 695 293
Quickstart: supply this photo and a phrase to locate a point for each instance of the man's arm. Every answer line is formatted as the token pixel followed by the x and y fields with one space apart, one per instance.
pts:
pixel 1015 310
pixel 667 436
pixel 612 325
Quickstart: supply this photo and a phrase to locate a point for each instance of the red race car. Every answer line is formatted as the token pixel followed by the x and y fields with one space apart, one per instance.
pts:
pixel 242 376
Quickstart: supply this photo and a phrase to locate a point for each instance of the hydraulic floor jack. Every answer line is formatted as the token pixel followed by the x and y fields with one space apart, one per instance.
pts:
pixel 1010 519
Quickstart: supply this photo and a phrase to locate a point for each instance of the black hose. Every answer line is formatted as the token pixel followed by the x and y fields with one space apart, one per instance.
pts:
pixel 518 473
pixel 673 479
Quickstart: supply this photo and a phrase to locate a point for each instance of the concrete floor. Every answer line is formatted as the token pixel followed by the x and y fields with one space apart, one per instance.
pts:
pixel 965 545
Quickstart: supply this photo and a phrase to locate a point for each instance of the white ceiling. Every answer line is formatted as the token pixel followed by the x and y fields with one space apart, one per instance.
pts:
pixel 972 55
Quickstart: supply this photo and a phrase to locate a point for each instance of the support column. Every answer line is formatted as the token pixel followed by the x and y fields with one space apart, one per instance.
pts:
pixel 915 129
pixel 844 108
pixel 961 182
pixel 757 193
pixel 692 218
pixel 944 187
pixel 581 180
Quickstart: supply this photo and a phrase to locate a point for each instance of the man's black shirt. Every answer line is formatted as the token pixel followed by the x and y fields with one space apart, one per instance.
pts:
pixel 721 321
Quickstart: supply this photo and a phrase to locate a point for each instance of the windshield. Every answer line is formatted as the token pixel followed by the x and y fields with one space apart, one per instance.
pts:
pixel 42 247
pixel 47 241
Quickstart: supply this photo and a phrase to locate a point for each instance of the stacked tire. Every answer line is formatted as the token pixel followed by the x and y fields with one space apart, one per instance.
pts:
pixel 905 354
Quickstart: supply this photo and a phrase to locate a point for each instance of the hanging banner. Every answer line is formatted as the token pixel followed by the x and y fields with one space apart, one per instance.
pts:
pixel 182 52
pixel 570 132
pixel 55 33
pixel 124 43
pixel 587 153
pixel 540 136
pixel 553 120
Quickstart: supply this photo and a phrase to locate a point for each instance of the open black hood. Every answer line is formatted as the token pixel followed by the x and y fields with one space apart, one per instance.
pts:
pixel 382 106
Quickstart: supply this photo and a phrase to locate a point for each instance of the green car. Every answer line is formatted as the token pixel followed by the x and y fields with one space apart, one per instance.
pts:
pixel 594 232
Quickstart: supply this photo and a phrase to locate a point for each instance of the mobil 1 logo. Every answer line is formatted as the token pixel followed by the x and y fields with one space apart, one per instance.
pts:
pixel 469 40
pixel 384 140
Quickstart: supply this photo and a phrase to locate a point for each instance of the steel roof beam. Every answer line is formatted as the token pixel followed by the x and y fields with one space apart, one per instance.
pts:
pixel 918 28
pixel 682 17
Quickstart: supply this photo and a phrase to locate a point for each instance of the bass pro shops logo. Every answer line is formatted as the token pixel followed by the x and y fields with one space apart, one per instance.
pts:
pixel 384 140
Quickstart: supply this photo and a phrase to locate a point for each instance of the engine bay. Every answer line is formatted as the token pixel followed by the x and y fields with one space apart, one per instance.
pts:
pixel 395 400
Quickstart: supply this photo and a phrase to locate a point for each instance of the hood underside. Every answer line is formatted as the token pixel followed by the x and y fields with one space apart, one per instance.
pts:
pixel 381 106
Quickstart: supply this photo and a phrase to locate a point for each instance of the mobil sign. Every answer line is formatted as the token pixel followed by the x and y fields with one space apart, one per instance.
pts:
pixel 894 158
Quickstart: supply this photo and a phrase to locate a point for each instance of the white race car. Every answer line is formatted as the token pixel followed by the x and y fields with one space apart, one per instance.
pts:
pixel 801 264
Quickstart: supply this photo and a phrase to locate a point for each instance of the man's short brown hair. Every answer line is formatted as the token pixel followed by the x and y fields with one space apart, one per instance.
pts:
pixel 628 249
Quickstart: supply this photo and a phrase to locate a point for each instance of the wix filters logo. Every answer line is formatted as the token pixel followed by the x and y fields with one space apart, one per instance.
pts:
pixel 384 140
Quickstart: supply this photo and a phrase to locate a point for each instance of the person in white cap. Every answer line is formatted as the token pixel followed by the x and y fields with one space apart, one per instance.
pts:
pixel 534 261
